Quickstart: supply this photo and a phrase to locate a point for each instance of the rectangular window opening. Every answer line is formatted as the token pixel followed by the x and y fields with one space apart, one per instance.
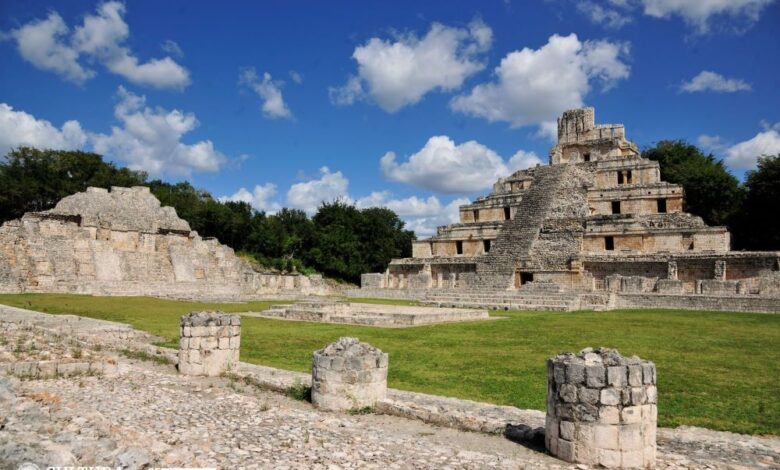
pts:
pixel 661 206
pixel 586 157
pixel 628 177
pixel 486 245
pixel 609 243
pixel 525 278
pixel 459 247
pixel 507 213
pixel 616 207
pixel 476 215
pixel 620 177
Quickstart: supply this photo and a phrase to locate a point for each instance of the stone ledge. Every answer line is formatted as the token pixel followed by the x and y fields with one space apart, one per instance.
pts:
pixel 54 369
pixel 464 415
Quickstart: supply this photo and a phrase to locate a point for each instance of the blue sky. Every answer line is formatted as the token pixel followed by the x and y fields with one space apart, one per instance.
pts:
pixel 416 106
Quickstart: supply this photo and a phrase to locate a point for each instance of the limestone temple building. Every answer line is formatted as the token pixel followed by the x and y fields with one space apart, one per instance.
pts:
pixel 123 242
pixel 597 218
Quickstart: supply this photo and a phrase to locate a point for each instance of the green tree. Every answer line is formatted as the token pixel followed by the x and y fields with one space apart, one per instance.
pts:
pixel 711 192
pixel 183 197
pixel 758 227
pixel 383 238
pixel 35 180
pixel 349 241
pixel 337 248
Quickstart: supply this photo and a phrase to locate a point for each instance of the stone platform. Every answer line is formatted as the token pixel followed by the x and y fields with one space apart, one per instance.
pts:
pixel 389 316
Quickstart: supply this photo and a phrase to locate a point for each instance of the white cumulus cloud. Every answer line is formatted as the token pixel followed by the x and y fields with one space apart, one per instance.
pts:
pixel 699 13
pixel 308 195
pixel 422 215
pixel 48 45
pixel 426 226
pixel 446 167
pixel 711 81
pixel 150 139
pixel 399 72
pixel 534 86
pixel 269 91
pixel 261 198
pixel 18 128
pixel 39 42
pixel 744 155
pixel 610 17
pixel 408 207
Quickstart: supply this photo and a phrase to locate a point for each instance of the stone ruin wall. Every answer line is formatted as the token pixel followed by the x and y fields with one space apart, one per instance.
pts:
pixel 124 243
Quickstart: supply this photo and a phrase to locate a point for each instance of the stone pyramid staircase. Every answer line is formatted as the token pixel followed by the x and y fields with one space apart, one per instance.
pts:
pixel 516 239
pixel 504 300
pixel 499 299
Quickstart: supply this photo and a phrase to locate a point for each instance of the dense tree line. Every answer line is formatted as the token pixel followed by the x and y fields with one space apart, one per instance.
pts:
pixel 339 241
pixel 714 194
pixel 342 241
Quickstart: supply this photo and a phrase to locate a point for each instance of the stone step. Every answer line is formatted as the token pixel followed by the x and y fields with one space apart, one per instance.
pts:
pixel 501 298
pixel 504 306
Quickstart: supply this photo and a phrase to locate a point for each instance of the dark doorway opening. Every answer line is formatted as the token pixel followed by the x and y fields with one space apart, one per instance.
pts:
pixel 616 207
pixel 507 213
pixel 486 245
pixel 526 277
pixel 459 247
pixel 609 243
pixel 661 206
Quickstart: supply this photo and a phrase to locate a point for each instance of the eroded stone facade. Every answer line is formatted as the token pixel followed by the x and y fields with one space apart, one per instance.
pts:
pixel 597 218
pixel 123 242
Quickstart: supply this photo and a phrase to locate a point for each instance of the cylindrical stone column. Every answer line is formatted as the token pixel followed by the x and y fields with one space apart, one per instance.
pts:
pixel 209 343
pixel 348 375
pixel 601 409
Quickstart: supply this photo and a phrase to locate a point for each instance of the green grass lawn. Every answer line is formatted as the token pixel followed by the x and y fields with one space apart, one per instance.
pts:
pixel 717 370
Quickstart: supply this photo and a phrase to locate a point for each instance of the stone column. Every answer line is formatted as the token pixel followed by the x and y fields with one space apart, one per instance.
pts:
pixel 720 270
pixel 671 270
pixel 601 409
pixel 209 343
pixel 348 375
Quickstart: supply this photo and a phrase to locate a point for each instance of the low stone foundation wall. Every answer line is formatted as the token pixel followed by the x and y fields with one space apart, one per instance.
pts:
pixel 381 293
pixel 717 287
pixel 54 369
pixel 699 302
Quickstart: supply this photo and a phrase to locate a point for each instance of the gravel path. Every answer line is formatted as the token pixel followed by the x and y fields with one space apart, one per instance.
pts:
pixel 148 414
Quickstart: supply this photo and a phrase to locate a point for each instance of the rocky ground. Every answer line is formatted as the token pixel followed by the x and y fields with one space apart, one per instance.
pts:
pixel 148 415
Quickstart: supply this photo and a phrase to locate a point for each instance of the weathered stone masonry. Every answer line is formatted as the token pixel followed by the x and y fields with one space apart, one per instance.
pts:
pixel 209 343
pixel 601 409
pixel 598 218
pixel 348 375
pixel 123 242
